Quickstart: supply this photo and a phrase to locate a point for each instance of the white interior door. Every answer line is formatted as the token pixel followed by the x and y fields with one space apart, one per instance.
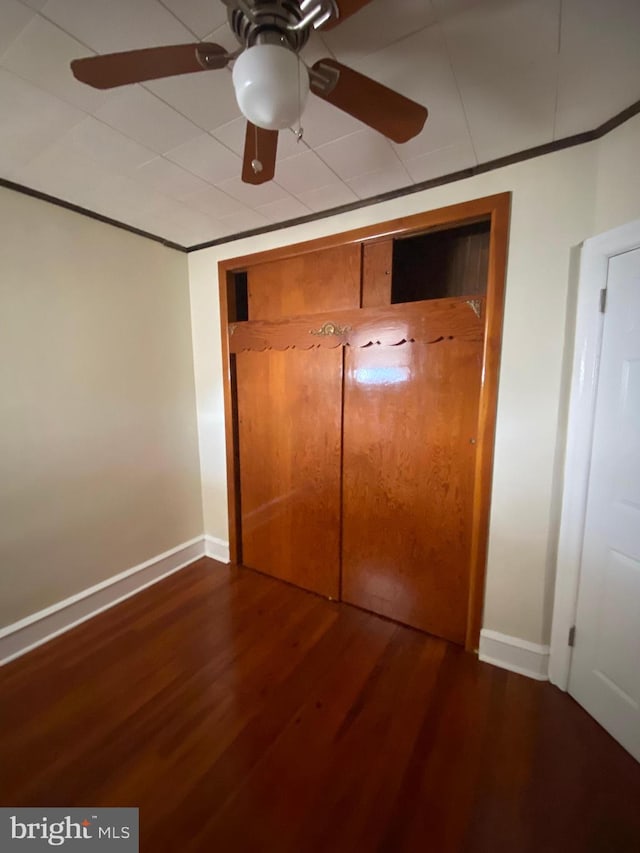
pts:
pixel 605 668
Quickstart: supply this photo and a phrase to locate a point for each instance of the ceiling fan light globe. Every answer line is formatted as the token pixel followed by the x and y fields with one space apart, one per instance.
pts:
pixel 271 85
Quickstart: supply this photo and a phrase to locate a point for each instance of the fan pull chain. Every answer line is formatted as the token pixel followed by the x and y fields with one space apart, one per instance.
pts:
pixel 256 164
pixel 300 131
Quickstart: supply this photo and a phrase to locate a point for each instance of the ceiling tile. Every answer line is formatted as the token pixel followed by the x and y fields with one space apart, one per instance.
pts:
pixel 120 198
pixel 232 135
pixel 505 60
pixel 72 176
pixel 214 202
pixel 175 221
pixel 445 161
pixel 322 122
pixel 106 146
pixel 206 98
pixel 377 25
pixel 284 209
pixel 504 119
pixel 599 62
pixel 358 153
pixel 328 197
pixel 303 172
pixel 224 36
pixel 117 25
pixel 419 67
pixel 140 115
pixel 377 183
pixel 252 195
pixel 31 120
pixel 244 221
pixel 200 16
pixel 168 178
pixel 207 158
pixel 35 4
pixel 14 17
pixel 41 54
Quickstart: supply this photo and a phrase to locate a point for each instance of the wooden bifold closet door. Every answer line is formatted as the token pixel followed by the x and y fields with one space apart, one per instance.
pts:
pixel 410 418
pixel 289 411
pixel 289 420
pixel 360 411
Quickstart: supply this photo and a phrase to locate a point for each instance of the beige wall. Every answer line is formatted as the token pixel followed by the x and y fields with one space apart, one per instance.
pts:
pixel 558 201
pixel 99 466
pixel 618 177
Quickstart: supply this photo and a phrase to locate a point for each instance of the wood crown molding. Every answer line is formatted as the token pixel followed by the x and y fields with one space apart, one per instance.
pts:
pixel 520 156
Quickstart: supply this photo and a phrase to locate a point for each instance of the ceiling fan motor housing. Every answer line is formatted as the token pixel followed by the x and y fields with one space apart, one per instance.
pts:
pixel 284 22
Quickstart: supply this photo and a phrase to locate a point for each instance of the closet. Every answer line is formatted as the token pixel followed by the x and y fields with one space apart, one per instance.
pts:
pixel 360 403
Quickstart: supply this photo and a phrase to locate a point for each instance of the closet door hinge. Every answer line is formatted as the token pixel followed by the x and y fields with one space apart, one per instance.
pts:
pixel 572 636
pixel 603 300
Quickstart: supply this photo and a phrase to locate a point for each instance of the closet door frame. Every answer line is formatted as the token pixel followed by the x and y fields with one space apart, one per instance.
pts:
pixel 494 209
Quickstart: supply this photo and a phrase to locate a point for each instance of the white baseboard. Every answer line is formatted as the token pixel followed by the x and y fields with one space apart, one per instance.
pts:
pixel 216 548
pixel 514 654
pixel 34 630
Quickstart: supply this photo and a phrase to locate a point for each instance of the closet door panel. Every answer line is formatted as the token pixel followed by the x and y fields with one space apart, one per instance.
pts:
pixel 327 280
pixel 289 425
pixel 410 415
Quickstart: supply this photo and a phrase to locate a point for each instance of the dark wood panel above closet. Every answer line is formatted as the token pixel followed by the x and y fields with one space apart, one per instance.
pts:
pixel 440 264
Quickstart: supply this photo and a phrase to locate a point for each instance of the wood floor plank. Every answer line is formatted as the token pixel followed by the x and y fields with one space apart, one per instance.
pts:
pixel 242 714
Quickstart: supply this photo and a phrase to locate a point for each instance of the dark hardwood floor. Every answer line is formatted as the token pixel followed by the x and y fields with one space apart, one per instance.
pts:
pixel 241 714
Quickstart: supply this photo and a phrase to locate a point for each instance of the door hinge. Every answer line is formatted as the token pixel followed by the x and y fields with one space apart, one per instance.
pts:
pixel 572 636
pixel 603 300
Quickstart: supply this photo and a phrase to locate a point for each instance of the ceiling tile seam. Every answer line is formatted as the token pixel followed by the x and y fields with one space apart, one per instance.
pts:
pixel 110 171
pixel 260 208
pixel 62 29
pixel 34 13
pixel 59 97
pixel 331 169
pixel 400 160
pixel 154 154
pixel 400 39
pixel 179 20
pixel 217 186
pixel 144 86
pixel 317 189
pixel 330 53
pixel 68 129
pixel 445 42
pixel 559 51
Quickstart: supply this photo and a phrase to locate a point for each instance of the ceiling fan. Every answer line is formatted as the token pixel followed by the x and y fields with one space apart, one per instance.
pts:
pixel 271 81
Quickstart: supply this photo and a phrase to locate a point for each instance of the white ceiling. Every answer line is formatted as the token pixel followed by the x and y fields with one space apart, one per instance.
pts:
pixel 498 77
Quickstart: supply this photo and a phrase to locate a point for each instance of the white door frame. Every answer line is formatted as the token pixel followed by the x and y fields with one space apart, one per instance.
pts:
pixel 594 267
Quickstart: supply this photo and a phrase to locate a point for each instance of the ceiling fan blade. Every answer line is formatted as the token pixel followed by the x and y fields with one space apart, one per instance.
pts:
pixel 260 147
pixel 385 110
pixel 346 8
pixel 152 63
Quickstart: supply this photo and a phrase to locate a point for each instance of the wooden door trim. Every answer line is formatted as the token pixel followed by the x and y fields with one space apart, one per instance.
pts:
pixel 496 210
pixel 463 213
